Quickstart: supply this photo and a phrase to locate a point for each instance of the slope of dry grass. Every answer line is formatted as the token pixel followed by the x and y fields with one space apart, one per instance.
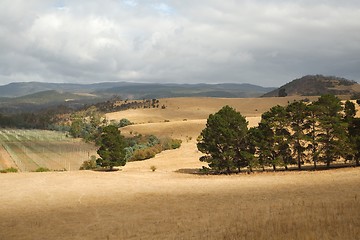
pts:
pixel 168 205
pixel 136 203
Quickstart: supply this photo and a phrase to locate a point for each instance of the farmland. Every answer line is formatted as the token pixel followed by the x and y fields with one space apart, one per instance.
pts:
pixel 28 150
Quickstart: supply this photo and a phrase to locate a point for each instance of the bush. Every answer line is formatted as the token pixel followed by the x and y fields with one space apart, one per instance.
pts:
pixel 153 168
pixel 42 169
pixel 169 143
pixel 9 170
pixel 124 122
pixel 89 164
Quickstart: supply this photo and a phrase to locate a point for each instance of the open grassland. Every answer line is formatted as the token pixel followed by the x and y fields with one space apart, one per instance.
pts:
pixel 136 203
pixel 184 118
pixel 166 205
pixel 28 150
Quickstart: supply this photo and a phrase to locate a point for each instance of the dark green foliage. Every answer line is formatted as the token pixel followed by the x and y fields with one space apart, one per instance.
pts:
pixel 354 138
pixel 223 140
pixel 277 135
pixel 349 110
pixel 86 125
pixel 322 131
pixel 144 147
pixel 89 164
pixel 42 169
pixel 9 170
pixel 112 148
pixel 332 139
pixel 124 122
pixel 298 115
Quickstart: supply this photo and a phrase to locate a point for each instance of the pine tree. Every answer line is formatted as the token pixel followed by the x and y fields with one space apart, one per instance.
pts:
pixel 298 115
pixel 333 138
pixel 223 140
pixel 112 148
pixel 277 122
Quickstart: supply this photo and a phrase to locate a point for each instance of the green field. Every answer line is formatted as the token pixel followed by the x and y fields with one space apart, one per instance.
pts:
pixel 28 150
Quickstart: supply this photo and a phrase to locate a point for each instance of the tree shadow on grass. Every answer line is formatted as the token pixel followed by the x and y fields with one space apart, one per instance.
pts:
pixel 306 168
pixel 107 170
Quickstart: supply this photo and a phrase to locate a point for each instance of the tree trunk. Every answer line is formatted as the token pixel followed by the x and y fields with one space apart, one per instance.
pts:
pixel 328 163
pixel 274 167
pixel 357 162
pixel 299 155
pixel 286 167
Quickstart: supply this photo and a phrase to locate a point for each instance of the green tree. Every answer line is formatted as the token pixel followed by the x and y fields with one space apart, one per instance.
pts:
pixel 354 131
pixel 333 137
pixel 76 127
pixel 275 125
pixel 224 139
pixel 314 133
pixel 112 148
pixel 349 110
pixel 354 135
pixel 298 115
pixel 261 140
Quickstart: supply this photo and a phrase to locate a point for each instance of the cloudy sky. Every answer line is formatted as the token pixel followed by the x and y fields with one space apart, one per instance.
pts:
pixel 263 42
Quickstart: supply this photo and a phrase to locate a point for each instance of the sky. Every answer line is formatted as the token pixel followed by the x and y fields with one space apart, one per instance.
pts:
pixel 262 42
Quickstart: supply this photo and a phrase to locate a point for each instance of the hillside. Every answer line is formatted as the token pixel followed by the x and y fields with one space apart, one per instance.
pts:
pixel 137 90
pixel 316 85
pixel 44 99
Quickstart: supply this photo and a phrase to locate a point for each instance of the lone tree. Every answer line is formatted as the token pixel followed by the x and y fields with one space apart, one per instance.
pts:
pixel 112 148
pixel 224 140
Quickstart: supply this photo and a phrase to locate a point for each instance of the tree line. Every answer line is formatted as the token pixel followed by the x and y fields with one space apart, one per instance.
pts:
pixel 320 132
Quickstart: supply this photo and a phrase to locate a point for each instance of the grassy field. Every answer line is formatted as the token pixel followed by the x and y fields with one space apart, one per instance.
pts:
pixel 28 150
pixel 166 205
pixel 170 203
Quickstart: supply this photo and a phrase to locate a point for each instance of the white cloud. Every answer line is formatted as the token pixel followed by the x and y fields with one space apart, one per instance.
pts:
pixel 261 42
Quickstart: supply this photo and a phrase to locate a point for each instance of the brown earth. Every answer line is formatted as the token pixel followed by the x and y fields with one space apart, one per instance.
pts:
pixel 170 203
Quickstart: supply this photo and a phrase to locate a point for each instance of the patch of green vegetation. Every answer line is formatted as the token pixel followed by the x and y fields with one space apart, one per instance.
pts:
pixel 9 170
pixel 42 169
pixel 145 147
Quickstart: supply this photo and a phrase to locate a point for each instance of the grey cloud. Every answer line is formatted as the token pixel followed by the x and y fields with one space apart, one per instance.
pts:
pixel 260 42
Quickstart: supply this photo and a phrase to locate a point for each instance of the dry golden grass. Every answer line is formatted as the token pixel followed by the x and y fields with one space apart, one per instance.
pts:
pixel 168 205
pixel 137 203
pixel 186 117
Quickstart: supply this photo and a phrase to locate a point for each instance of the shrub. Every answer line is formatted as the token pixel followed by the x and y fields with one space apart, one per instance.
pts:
pixel 9 170
pixel 42 169
pixel 89 164
pixel 153 168
pixel 124 122
pixel 169 143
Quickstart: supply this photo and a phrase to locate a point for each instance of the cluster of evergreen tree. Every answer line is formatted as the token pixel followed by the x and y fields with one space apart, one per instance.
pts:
pixel 320 132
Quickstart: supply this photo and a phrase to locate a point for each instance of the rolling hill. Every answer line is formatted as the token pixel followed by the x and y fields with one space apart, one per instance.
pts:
pixel 137 90
pixel 25 96
pixel 316 85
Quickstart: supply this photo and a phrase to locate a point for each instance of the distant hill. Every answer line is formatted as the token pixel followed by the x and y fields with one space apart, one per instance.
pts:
pixel 139 91
pixel 44 99
pixel 136 90
pixel 24 96
pixel 316 85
